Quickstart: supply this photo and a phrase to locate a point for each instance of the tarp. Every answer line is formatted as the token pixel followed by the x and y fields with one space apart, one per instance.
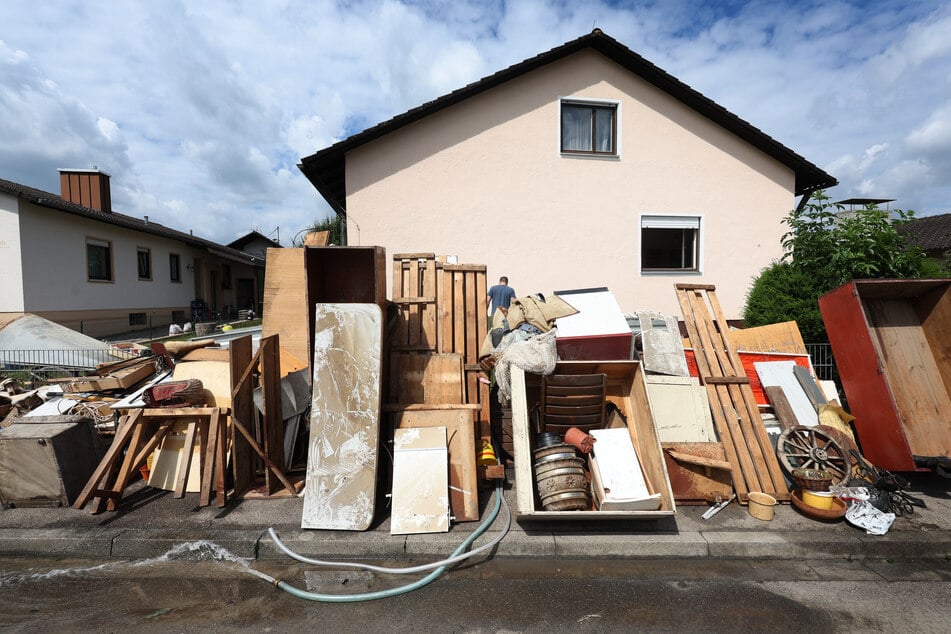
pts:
pixel 34 340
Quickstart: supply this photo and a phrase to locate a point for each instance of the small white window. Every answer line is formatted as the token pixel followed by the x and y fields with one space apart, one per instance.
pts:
pixel 670 243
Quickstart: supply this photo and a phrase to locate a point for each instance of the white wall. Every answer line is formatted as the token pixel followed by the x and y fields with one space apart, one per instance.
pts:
pixel 485 180
pixel 11 279
pixel 55 273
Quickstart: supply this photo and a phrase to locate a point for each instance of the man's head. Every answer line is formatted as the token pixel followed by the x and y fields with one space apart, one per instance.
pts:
pixel 504 280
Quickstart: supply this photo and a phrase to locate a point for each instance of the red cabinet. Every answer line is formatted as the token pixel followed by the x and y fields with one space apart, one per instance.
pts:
pixel 891 340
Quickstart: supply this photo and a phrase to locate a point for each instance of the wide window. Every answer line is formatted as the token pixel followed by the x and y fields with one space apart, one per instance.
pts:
pixel 99 260
pixel 144 257
pixel 588 128
pixel 175 267
pixel 670 243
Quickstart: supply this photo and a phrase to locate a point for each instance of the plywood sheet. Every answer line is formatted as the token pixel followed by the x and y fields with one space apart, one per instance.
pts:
pixel 215 377
pixel 285 301
pixel 681 409
pixel 430 378
pixel 345 414
pixel 780 374
pixel 420 481
pixel 781 337
pixel 463 479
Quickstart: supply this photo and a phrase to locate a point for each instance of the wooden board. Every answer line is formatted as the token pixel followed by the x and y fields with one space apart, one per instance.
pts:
pixel 342 461
pixel 681 409
pixel 662 345
pixel 430 378
pixel 781 407
pixel 118 380
pixel 695 483
pixel 463 482
pixel 215 377
pixel 420 481
pixel 922 399
pixel 781 337
pixel 780 374
pixel 286 312
pixel 735 412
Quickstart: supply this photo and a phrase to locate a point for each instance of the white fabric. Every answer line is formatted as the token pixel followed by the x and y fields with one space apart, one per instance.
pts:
pixel 537 355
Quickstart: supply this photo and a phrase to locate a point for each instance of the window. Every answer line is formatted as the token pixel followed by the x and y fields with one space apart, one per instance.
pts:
pixel 670 243
pixel 99 260
pixel 178 316
pixel 589 128
pixel 175 267
pixel 226 276
pixel 145 263
pixel 137 319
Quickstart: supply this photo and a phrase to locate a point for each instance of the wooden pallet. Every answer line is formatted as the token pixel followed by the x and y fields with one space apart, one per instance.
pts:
pixel 463 321
pixel 414 293
pixel 735 413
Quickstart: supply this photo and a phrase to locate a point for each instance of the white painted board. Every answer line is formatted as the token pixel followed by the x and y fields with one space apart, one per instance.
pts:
pixel 780 374
pixel 340 486
pixel 420 481
pixel 616 472
pixel 598 314
pixel 680 408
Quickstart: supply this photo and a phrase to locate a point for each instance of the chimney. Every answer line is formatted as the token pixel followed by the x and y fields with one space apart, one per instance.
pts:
pixel 89 188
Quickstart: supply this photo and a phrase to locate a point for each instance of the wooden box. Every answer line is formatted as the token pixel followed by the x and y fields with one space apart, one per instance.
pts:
pixel 627 390
pixel 891 340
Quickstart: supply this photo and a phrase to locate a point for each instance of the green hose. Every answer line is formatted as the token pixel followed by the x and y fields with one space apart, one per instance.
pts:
pixel 392 592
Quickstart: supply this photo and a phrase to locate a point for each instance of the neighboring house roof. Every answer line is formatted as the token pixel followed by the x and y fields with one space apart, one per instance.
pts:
pixel 54 201
pixel 931 233
pixel 326 169
pixel 243 241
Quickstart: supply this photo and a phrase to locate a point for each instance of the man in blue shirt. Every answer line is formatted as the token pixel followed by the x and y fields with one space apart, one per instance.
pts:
pixel 501 296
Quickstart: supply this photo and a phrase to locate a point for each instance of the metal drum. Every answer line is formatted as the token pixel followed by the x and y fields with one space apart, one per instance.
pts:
pixel 560 477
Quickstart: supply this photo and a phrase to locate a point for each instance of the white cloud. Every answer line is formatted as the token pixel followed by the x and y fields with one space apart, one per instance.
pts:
pixel 201 111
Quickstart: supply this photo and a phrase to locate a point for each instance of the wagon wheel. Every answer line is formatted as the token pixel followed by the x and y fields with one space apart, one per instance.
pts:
pixel 804 447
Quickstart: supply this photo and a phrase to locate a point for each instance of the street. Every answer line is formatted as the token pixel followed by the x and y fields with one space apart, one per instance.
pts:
pixel 205 589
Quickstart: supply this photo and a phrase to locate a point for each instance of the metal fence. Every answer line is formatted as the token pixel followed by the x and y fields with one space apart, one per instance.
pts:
pixel 39 366
pixel 822 361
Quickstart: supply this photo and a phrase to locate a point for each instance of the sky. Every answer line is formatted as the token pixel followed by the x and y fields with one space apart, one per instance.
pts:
pixel 201 110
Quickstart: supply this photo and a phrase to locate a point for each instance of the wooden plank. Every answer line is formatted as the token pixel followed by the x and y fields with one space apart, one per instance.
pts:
pixel 470 353
pixel 428 311
pixel 750 418
pixel 781 337
pixel 431 378
pixel 272 419
pixel 118 380
pixel 522 445
pixel 127 425
pixel 809 386
pixel 781 407
pixel 458 311
pixel 340 491
pixel 693 483
pixel 780 374
pixel 412 310
pixel 242 456
pixel 399 333
pixel 286 312
pixel 420 482
pixel 463 483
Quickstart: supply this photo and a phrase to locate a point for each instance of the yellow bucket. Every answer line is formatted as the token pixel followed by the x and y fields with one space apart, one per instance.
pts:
pixel 487 454
pixel 761 506
pixel 818 499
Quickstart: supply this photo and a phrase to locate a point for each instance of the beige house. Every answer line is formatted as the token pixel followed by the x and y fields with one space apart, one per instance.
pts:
pixel 73 260
pixel 585 166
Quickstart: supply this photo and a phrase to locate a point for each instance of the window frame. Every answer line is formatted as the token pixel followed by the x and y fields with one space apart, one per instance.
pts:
pixel 683 222
pixel 148 263
pixel 593 104
pixel 110 260
pixel 177 269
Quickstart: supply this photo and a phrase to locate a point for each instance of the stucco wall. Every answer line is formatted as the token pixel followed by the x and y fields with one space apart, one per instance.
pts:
pixel 11 279
pixel 485 180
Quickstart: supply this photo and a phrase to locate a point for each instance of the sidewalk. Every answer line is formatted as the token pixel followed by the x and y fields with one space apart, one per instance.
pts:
pixel 150 522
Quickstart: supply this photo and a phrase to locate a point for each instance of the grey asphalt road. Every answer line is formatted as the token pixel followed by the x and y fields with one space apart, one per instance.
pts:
pixel 205 591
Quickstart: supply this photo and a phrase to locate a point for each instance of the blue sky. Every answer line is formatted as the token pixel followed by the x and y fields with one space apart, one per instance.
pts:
pixel 200 111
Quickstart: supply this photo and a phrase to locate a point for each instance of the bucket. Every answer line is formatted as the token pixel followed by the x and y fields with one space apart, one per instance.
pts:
pixel 818 499
pixel 761 506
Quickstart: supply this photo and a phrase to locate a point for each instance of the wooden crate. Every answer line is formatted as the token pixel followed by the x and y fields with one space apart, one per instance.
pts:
pixel 627 390
pixel 891 344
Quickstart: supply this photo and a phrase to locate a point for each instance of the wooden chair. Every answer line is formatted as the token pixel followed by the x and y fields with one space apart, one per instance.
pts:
pixel 573 400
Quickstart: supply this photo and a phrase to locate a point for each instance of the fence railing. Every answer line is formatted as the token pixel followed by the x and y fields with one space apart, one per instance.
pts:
pixel 822 361
pixel 42 365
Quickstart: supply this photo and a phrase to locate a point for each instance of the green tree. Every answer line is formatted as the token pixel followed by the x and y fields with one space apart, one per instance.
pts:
pixel 824 248
pixel 331 224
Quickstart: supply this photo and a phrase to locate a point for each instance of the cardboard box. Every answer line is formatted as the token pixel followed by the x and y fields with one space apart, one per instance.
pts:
pixel 627 390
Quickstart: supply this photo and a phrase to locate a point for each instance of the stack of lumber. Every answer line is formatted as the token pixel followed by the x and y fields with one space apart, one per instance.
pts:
pixel 753 460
